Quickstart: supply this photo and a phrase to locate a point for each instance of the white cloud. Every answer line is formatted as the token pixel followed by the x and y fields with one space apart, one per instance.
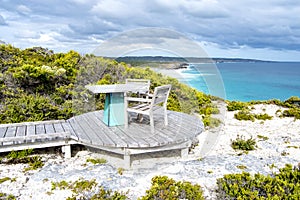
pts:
pixel 23 9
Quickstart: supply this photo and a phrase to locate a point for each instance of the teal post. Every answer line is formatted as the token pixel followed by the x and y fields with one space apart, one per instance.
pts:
pixel 114 109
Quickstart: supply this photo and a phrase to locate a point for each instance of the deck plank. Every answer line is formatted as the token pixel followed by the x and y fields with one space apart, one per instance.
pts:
pixel 108 137
pixel 68 128
pixel 117 131
pixel 82 135
pixel 85 124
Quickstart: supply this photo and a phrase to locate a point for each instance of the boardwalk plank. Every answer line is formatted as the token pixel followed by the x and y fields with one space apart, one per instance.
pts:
pixel 40 129
pixel 3 131
pixel 49 128
pixel 58 128
pixel 30 130
pixel 11 132
pixel 21 131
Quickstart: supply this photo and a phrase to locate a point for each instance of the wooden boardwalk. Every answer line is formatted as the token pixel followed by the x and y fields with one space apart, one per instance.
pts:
pixel 88 129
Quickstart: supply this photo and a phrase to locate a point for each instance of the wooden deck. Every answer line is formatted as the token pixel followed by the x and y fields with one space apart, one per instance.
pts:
pixel 88 129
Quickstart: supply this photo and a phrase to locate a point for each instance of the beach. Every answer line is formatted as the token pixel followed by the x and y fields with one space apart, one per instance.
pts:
pixel 277 144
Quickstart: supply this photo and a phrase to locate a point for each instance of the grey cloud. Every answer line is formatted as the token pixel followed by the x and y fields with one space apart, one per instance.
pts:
pixel 93 25
pixel 230 24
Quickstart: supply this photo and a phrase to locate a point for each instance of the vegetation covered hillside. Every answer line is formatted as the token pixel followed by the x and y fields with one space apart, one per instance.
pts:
pixel 38 84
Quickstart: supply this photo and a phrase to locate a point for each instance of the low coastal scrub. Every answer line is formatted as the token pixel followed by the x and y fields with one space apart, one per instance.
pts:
pixel 240 143
pixel 263 116
pixel 96 161
pixel 2 180
pixel 236 105
pixel 244 115
pixel 87 190
pixel 247 115
pixel 166 188
pixel 262 137
pixel 292 112
pixel 24 156
pixel 7 196
pixel 211 122
pixel 282 185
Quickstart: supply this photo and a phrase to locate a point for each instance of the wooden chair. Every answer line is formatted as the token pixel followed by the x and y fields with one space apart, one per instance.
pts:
pixel 146 106
pixel 144 92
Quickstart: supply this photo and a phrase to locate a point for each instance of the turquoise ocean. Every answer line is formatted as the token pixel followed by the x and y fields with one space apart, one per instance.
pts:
pixel 245 81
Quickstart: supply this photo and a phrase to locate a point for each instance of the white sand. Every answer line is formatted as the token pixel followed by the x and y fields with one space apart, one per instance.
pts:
pixel 281 147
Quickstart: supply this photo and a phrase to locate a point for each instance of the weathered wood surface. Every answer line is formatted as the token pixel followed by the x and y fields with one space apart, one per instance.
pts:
pixel 182 127
pixel 89 129
pixel 33 132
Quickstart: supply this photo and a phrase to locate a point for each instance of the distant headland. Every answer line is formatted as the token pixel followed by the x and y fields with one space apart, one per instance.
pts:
pixel 164 59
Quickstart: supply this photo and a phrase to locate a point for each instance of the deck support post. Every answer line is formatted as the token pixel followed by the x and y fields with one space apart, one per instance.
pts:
pixel 184 152
pixel 66 150
pixel 127 161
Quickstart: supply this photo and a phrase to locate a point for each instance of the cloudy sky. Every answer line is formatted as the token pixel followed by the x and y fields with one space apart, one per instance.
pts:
pixel 268 30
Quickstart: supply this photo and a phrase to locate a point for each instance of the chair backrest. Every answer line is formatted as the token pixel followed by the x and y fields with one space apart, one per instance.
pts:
pixel 160 95
pixel 145 84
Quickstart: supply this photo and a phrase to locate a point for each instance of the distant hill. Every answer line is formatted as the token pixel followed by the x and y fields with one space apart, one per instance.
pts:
pixel 143 59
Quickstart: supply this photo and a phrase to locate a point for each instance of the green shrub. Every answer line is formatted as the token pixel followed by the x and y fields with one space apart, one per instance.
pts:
pixel 262 137
pixel 19 154
pixel 236 105
pixel 96 161
pixel 80 187
pixel 209 109
pixel 291 100
pixel 166 188
pixel 2 180
pixel 240 143
pixel 209 121
pixel 263 116
pixel 24 156
pixel 244 115
pixel 35 162
pixel 7 196
pixel 292 112
pixel 108 195
pixel 283 185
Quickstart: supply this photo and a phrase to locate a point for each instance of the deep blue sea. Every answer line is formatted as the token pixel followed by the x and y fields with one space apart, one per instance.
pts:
pixel 246 81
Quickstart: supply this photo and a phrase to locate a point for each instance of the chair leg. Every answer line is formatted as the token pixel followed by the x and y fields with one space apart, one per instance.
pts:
pixel 151 122
pixel 166 117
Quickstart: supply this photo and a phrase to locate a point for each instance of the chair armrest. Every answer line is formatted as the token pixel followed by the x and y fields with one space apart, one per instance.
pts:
pixel 137 99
